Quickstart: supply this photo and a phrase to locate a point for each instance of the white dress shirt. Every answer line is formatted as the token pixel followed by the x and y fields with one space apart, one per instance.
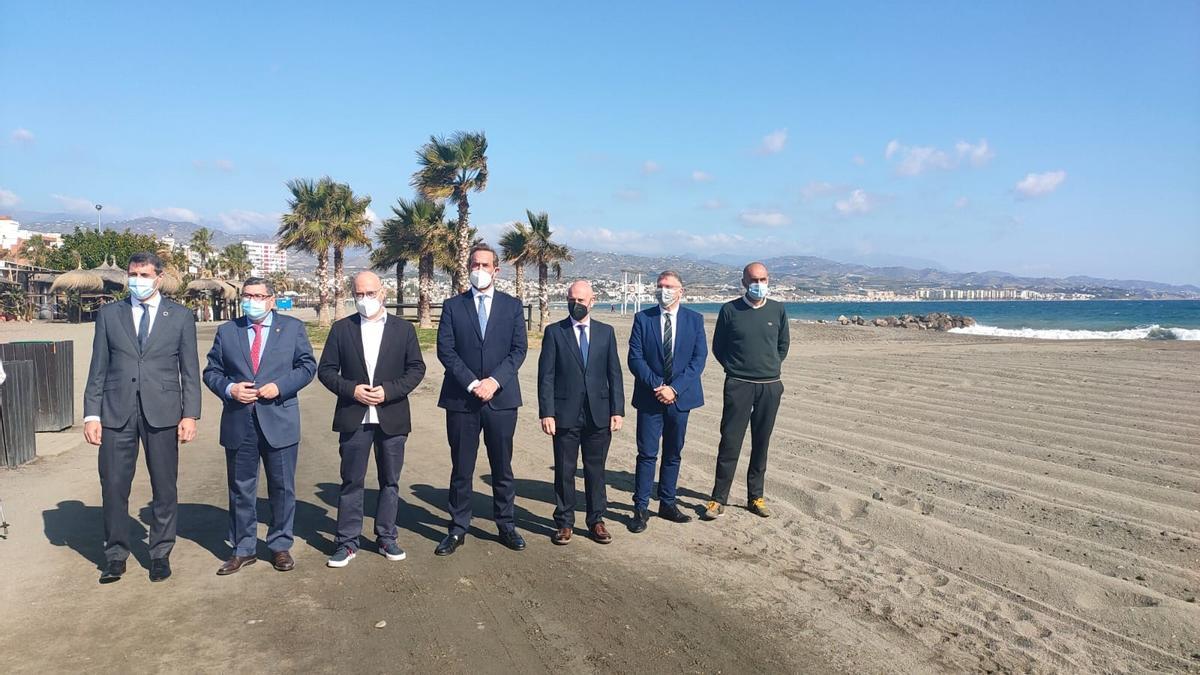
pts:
pixel 372 338
pixel 487 306
pixel 151 304
pixel 587 328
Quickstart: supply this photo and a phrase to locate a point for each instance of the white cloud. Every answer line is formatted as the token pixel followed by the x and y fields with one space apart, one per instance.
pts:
pixel 239 220
pixel 8 198
pixel 628 195
pixel 1038 184
pixel 222 165
pixel 859 160
pixel 713 204
pixel 701 176
pixel 650 166
pixel 22 136
pixel 961 203
pixel 372 216
pixel 917 159
pixel 978 154
pixel 764 219
pixel 858 202
pixel 75 204
pixel 175 214
pixel 649 242
pixel 817 188
pixel 773 142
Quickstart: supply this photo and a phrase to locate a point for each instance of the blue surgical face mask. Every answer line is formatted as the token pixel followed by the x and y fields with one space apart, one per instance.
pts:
pixel 757 290
pixel 255 309
pixel 141 287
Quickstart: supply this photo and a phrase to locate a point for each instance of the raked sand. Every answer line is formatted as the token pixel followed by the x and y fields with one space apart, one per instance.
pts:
pixel 942 503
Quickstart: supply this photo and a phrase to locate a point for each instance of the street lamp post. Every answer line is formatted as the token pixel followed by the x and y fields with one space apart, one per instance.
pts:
pixel 98 207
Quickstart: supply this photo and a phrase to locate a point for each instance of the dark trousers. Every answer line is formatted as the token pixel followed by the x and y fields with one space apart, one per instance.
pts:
pixel 118 463
pixel 355 449
pixel 241 468
pixel 462 430
pixel 669 427
pixel 568 443
pixel 756 405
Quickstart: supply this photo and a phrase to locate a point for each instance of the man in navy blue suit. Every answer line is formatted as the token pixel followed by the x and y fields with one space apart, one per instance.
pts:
pixel 481 342
pixel 257 365
pixel 581 402
pixel 667 352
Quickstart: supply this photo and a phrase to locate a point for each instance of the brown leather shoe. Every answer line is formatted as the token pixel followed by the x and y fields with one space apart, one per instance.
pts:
pixel 600 533
pixel 236 563
pixel 562 536
pixel 282 561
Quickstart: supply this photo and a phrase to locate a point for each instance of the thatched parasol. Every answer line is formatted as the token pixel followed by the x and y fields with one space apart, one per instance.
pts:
pixel 206 286
pixel 112 275
pixel 84 281
pixel 233 291
pixel 171 284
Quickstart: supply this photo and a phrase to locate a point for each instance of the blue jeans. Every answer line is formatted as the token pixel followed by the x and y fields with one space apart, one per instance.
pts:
pixel 669 427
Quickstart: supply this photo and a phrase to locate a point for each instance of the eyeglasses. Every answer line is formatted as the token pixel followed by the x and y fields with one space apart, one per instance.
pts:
pixel 255 296
pixel 369 294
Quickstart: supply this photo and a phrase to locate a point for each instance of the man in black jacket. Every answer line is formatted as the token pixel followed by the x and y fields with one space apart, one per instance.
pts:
pixel 581 401
pixel 372 362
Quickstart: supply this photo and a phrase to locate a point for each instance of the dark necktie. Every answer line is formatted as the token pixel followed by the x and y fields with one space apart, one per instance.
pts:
pixel 256 346
pixel 583 343
pixel 143 327
pixel 668 348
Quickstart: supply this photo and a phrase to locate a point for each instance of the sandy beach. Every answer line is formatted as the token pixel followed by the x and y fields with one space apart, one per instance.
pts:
pixel 943 503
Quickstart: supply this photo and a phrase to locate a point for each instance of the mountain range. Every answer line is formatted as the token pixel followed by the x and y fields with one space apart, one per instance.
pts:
pixel 809 274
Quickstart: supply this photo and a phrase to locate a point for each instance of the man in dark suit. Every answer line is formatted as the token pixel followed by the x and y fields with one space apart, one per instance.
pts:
pixel 257 365
pixel 143 385
pixel 667 351
pixel 372 361
pixel 581 402
pixel 481 342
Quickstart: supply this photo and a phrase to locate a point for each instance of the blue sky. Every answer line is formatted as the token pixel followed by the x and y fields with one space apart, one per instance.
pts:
pixel 1037 138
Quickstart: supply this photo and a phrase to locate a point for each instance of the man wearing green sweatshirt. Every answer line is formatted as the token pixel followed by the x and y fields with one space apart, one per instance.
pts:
pixel 751 341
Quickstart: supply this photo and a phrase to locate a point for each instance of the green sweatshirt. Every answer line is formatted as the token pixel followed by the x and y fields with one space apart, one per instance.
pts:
pixel 751 343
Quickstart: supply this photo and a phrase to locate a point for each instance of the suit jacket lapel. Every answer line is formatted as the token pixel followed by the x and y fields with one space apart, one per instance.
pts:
pixel 127 319
pixel 391 336
pixel 243 341
pixel 657 332
pixel 160 322
pixel 273 340
pixel 356 345
pixel 569 331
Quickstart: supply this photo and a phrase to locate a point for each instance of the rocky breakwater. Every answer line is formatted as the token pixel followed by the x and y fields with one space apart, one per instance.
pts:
pixel 931 321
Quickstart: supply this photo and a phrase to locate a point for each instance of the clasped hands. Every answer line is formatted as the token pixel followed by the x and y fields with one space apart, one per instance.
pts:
pixel 368 395
pixel 665 394
pixel 245 392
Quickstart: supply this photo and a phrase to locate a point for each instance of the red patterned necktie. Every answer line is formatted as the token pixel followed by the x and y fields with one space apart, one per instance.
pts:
pixel 256 346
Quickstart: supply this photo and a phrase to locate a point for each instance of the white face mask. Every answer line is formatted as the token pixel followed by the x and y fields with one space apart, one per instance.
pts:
pixel 666 297
pixel 368 307
pixel 758 290
pixel 141 287
pixel 481 279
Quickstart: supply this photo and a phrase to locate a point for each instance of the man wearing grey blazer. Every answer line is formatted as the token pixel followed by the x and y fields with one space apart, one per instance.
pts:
pixel 143 385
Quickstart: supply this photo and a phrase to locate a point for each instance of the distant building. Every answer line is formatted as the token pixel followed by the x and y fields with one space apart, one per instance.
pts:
pixel 12 236
pixel 266 257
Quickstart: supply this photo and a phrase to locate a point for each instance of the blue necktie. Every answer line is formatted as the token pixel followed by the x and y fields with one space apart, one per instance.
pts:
pixel 143 326
pixel 482 316
pixel 583 343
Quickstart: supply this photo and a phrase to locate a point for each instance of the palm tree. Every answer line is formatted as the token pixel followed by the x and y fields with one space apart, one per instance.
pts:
pixel 282 282
pixel 547 255
pixel 348 225
pixel 234 261
pixel 36 250
pixel 201 245
pixel 393 248
pixel 451 252
pixel 449 169
pixel 305 228
pixel 417 232
pixel 514 248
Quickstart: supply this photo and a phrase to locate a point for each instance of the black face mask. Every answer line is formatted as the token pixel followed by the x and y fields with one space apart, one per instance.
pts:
pixel 578 310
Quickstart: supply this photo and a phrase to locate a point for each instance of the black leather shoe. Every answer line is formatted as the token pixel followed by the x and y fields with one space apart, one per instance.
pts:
pixel 160 569
pixel 112 571
pixel 641 518
pixel 672 513
pixel 450 544
pixel 511 539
